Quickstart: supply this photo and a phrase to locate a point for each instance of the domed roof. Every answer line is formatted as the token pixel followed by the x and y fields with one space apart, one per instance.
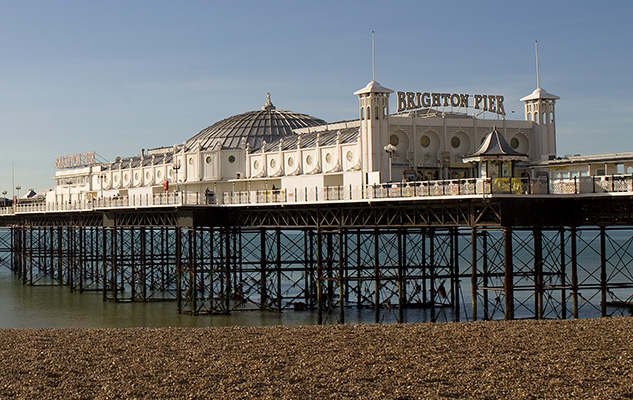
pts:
pixel 253 127
pixel 540 93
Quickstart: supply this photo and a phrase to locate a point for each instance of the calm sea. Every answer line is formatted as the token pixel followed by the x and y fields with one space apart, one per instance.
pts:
pixel 23 306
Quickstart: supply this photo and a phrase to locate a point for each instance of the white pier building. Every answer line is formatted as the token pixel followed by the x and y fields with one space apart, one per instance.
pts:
pixel 426 138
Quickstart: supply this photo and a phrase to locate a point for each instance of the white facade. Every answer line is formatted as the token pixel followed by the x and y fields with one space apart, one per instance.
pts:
pixel 426 143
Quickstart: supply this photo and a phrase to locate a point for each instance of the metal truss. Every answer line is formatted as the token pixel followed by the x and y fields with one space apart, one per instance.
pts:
pixel 139 264
pixel 491 258
pixel 372 214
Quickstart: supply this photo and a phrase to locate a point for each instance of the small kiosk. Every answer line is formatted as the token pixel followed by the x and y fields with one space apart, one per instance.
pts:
pixel 497 163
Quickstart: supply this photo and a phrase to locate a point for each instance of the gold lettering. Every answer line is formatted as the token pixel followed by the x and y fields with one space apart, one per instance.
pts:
pixel 500 109
pixel 436 99
pixel 417 99
pixel 426 100
pixel 410 101
pixel 478 99
pixel 491 104
pixel 463 98
pixel 402 102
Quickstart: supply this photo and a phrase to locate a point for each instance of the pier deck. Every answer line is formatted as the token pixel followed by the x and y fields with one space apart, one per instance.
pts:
pixel 470 256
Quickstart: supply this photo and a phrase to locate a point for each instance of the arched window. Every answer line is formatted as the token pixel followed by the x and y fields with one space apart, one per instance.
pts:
pixel 384 112
pixel 376 112
pixel 369 112
pixel 544 117
pixel 536 117
pixel 362 113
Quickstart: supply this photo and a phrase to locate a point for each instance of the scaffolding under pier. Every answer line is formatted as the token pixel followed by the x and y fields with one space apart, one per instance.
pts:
pixel 457 258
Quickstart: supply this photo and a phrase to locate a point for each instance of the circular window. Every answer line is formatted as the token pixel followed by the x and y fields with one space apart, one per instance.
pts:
pixel 425 141
pixel 514 143
pixel 209 159
pixel 191 161
pixel 159 174
pixel 349 156
pixel 231 159
pixel 394 140
pixel 290 162
pixel 309 160
pixel 255 164
pixel 147 175
pixel 328 158
pixel 273 163
pixel 455 142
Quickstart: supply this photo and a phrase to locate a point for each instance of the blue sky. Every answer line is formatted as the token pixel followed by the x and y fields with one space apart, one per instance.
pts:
pixel 117 76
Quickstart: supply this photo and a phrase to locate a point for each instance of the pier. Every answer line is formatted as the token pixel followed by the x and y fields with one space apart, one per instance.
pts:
pixel 471 249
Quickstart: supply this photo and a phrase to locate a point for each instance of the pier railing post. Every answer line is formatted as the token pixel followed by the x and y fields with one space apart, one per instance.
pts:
pixel 341 275
pixel 401 274
pixel 179 277
pixel 263 290
pixel 473 272
pixel 603 272
pixel 508 275
pixel 455 286
pixel 319 276
pixel 377 275
pixel 563 274
pixel 538 272
pixel 574 272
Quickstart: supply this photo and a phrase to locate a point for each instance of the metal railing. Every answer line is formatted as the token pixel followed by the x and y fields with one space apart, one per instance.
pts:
pixel 402 190
pixel 455 187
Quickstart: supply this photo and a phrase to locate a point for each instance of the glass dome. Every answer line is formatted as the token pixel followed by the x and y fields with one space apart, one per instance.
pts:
pixel 254 127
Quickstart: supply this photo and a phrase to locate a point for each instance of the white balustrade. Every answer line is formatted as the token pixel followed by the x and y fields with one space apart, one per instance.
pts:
pixel 599 185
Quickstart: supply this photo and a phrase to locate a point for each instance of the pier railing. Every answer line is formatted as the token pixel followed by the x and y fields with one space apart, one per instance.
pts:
pixel 455 187
pixel 596 185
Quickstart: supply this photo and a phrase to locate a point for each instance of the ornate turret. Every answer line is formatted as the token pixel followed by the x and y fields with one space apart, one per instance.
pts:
pixel 539 107
pixel 373 103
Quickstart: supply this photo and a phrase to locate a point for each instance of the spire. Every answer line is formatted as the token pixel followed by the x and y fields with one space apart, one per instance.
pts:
pixel 373 58
pixel 538 80
pixel 373 86
pixel 539 93
pixel 269 105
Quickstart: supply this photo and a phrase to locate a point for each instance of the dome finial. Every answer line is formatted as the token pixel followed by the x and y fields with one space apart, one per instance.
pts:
pixel 269 105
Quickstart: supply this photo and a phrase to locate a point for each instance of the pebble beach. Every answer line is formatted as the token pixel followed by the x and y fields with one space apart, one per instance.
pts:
pixel 572 359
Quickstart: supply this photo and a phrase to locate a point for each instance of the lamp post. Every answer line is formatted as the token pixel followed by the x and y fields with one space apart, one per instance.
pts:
pixel 390 149
pixel 101 178
pixel 4 198
pixel 18 189
pixel 175 167
pixel 69 182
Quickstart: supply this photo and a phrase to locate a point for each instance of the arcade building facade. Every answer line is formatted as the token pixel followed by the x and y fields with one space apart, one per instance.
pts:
pixel 430 137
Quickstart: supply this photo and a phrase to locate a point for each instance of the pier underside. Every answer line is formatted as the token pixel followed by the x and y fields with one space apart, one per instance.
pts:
pixel 446 260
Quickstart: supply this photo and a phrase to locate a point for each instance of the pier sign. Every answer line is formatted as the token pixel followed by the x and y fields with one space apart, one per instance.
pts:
pixel 75 160
pixel 484 102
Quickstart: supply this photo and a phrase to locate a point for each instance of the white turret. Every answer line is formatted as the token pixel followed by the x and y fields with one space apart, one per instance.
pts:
pixel 373 103
pixel 539 107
